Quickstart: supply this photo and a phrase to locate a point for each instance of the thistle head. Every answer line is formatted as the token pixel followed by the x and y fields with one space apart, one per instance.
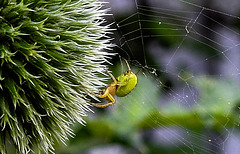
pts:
pixel 50 52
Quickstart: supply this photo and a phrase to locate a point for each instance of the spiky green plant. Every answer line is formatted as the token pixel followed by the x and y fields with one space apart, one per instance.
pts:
pixel 50 54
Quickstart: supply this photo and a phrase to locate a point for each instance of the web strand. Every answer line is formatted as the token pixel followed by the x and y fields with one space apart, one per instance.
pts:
pixel 191 53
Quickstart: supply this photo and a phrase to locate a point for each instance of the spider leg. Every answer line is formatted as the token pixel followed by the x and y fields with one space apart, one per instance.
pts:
pixel 103 105
pixel 129 69
pixel 113 78
pixel 122 83
pixel 105 94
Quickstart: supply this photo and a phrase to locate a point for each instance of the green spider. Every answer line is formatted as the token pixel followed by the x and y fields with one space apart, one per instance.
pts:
pixel 121 86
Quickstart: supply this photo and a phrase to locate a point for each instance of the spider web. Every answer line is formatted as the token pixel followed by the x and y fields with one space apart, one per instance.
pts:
pixel 189 55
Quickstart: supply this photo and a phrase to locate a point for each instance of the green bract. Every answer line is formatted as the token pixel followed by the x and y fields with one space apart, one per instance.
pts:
pixel 50 53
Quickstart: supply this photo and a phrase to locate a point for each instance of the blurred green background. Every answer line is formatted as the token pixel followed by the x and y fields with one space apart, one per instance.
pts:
pixel 135 122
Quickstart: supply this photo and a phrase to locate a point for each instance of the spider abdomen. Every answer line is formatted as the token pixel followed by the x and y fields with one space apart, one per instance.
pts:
pixel 130 81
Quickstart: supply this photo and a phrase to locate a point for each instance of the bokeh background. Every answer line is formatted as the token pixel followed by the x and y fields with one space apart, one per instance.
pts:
pixel 187 98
